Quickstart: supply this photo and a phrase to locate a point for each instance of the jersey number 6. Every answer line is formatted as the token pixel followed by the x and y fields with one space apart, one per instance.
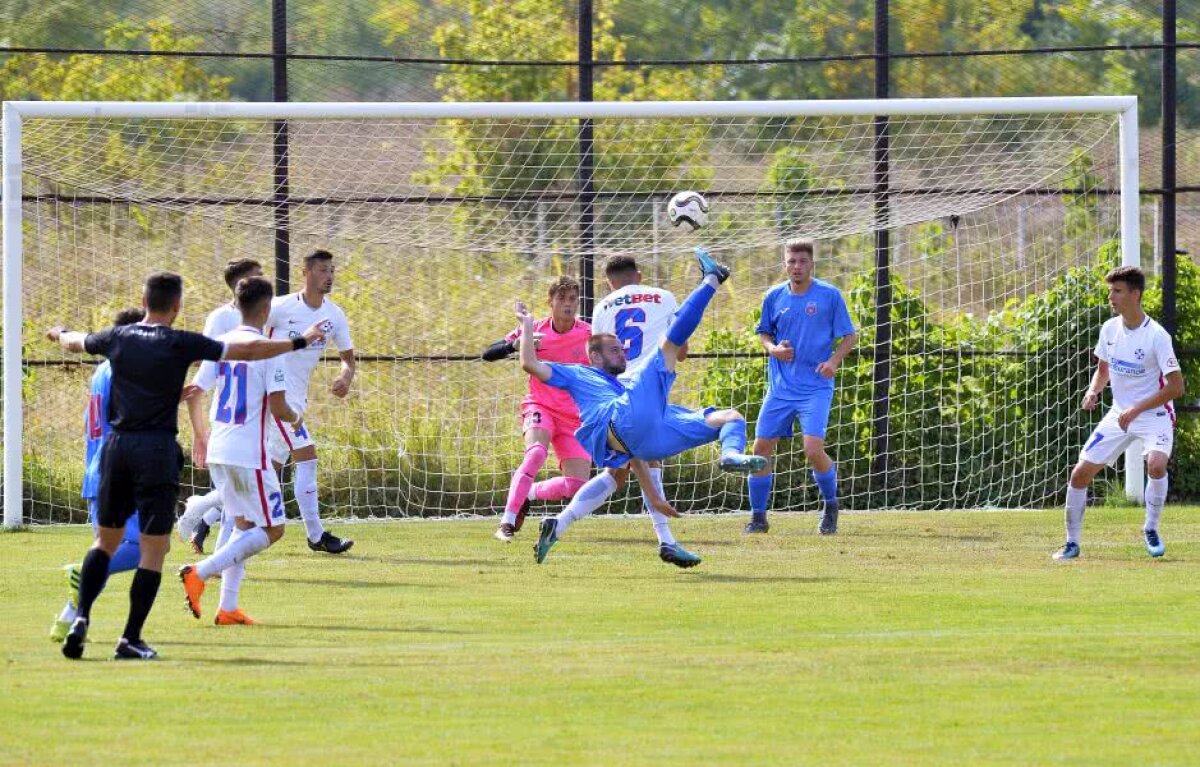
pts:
pixel 629 332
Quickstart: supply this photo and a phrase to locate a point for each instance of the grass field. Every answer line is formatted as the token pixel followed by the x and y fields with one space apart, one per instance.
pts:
pixel 936 638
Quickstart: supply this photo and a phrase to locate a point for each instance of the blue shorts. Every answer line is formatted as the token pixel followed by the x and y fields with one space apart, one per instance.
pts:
pixel 132 531
pixel 778 416
pixel 652 428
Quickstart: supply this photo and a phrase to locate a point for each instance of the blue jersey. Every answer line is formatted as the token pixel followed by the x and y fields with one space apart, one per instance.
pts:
pixel 96 427
pixel 598 396
pixel 811 322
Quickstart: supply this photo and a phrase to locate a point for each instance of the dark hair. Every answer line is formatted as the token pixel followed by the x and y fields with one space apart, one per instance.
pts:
pixel 251 292
pixel 564 284
pixel 238 268
pixel 1130 275
pixel 594 342
pixel 129 316
pixel 163 289
pixel 315 256
pixel 620 265
pixel 800 246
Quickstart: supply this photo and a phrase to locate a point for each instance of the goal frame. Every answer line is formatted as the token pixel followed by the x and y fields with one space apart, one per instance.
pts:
pixel 16 112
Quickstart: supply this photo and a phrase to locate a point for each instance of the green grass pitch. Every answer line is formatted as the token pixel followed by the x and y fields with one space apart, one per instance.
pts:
pixel 910 638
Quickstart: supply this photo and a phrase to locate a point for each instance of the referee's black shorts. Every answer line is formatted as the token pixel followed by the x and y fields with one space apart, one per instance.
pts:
pixel 139 470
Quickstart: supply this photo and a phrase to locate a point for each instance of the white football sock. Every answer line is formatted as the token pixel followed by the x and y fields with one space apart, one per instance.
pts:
pixel 212 516
pixel 712 281
pixel 201 504
pixel 1156 496
pixel 1076 503
pixel 304 485
pixel 69 613
pixel 590 497
pixel 226 530
pixel 662 528
pixel 242 545
pixel 231 584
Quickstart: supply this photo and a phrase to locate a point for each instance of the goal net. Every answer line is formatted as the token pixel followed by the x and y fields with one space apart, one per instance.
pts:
pixel 972 353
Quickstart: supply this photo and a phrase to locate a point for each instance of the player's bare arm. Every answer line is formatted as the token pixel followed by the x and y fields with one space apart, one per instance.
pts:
pixel 660 504
pixel 199 421
pixel 277 402
pixel 829 367
pixel 782 352
pixel 529 361
pixel 69 340
pixel 1172 390
pixel 341 384
pixel 265 348
pixel 1091 398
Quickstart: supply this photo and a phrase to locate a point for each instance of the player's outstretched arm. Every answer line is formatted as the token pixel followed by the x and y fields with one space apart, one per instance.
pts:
pixel 1091 397
pixel 69 340
pixel 529 361
pixel 498 351
pixel 265 348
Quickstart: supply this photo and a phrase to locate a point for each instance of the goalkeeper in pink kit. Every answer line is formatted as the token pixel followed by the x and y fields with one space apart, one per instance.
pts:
pixel 549 417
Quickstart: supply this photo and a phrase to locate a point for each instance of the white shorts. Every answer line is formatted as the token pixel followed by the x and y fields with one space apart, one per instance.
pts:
pixel 282 439
pixel 252 494
pixel 1156 430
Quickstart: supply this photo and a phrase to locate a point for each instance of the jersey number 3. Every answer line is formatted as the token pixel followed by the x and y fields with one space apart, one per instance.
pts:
pixel 235 377
pixel 629 331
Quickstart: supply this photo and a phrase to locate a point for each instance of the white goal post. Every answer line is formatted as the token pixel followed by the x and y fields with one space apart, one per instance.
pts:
pixel 17 114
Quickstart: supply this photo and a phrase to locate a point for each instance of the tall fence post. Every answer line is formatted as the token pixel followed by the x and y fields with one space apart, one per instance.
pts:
pixel 587 167
pixel 280 185
pixel 1167 233
pixel 882 352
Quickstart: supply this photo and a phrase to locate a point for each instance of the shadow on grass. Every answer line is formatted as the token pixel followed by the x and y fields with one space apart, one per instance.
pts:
pixel 352 584
pixel 441 562
pixel 650 541
pixel 361 628
pixel 722 578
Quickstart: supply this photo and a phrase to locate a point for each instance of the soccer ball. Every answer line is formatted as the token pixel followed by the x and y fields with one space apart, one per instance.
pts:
pixel 689 209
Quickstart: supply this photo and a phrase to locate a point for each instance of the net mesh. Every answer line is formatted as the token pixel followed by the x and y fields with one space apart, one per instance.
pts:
pixel 437 226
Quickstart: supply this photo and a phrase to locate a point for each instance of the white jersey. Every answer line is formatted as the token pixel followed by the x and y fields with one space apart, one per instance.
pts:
pixel 239 409
pixel 290 317
pixel 638 315
pixel 1138 361
pixel 219 321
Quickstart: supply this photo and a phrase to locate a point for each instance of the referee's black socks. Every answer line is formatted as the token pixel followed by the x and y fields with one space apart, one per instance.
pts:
pixel 142 593
pixel 93 574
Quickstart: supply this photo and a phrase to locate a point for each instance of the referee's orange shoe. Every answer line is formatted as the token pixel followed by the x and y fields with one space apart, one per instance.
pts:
pixel 193 588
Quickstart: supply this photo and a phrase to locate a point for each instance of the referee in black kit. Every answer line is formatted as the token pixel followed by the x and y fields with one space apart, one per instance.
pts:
pixel 140 461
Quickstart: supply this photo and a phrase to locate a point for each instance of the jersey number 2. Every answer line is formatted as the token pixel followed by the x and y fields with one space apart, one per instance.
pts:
pixel 237 413
pixel 629 332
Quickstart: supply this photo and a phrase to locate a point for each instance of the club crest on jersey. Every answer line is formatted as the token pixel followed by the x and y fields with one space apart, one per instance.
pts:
pixel 1140 354
pixel 811 308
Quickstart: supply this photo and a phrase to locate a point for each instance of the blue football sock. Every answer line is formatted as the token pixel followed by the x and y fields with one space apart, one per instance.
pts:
pixel 760 494
pixel 687 319
pixel 733 437
pixel 126 557
pixel 827 483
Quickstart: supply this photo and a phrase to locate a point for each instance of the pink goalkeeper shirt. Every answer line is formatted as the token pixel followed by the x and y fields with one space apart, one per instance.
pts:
pixel 568 347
